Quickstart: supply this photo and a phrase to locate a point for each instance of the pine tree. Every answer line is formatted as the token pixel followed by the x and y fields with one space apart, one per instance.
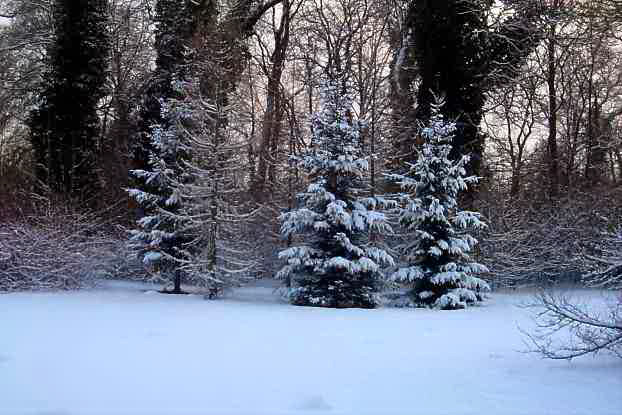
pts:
pixel 65 125
pixel 334 266
pixel 437 262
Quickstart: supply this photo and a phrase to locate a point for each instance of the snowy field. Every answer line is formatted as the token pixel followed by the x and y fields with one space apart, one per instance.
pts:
pixel 121 350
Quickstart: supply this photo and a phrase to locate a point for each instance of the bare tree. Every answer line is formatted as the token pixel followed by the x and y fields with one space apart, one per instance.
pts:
pixel 461 52
pixel 533 242
pixel 586 330
pixel 272 67
pixel 24 40
pixel 131 57
pixel 511 125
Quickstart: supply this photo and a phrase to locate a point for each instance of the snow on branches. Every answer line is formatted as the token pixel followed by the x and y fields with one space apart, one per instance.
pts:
pixel 587 329
pixel 193 214
pixel 162 235
pixel 436 260
pixel 335 265
pixel 605 260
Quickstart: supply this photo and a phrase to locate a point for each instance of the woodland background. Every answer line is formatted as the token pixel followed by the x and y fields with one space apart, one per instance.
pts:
pixel 534 85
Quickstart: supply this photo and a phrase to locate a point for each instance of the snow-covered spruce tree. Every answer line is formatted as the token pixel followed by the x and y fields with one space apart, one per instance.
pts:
pixel 436 257
pixel 159 147
pixel 217 207
pixel 196 197
pixel 163 236
pixel 334 266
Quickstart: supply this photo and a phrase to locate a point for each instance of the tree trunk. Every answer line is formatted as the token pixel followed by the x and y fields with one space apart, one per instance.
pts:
pixel 274 109
pixel 177 288
pixel 596 169
pixel 553 162
pixel 515 183
pixel 403 75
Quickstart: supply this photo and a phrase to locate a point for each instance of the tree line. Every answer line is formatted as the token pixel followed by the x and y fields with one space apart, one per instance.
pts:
pixel 531 85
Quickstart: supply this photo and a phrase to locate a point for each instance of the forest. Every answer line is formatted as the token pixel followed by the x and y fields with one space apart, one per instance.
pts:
pixel 410 156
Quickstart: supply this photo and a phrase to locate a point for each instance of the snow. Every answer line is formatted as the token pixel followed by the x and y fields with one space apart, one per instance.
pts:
pixel 126 349
pixel 430 212
pixel 331 216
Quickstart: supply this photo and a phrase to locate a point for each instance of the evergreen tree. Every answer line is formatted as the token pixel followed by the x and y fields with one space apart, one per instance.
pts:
pixel 163 236
pixel 160 149
pixel 450 48
pixel 64 126
pixel 193 194
pixel 174 25
pixel 437 261
pixel 335 266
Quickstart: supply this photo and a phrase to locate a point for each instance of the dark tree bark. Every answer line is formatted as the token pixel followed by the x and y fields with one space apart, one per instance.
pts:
pixel 403 75
pixel 176 26
pixel 65 126
pixel 553 159
pixel 599 141
pixel 458 58
pixel 177 283
pixel 191 41
pixel 218 42
pixel 273 116
pixel 223 42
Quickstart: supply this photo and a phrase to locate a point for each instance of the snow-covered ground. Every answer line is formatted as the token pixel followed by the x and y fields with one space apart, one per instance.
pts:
pixel 121 350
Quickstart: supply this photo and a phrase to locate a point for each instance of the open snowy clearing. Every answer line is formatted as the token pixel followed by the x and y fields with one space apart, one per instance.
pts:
pixel 121 350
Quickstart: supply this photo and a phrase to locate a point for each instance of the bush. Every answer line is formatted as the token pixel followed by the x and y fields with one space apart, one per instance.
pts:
pixel 60 250
pixel 547 243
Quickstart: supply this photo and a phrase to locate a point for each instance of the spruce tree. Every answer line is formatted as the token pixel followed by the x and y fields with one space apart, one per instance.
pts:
pixel 160 149
pixel 163 236
pixel 65 125
pixel 437 264
pixel 193 196
pixel 334 265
